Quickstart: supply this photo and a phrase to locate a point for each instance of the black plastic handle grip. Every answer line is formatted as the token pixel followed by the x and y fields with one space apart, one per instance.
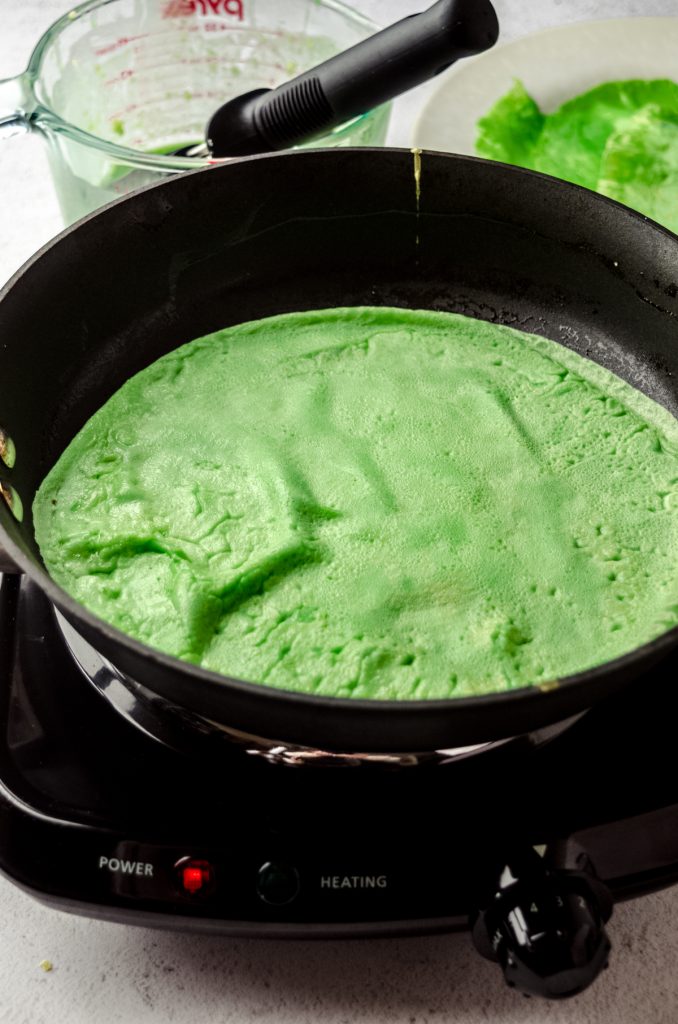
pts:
pixel 370 73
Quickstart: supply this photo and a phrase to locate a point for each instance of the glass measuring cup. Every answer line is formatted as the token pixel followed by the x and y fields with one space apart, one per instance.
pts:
pixel 117 86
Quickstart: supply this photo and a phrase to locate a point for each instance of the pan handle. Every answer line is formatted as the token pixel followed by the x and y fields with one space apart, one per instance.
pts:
pixel 6 563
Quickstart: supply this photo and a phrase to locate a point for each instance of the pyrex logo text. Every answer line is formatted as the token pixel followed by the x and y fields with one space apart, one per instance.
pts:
pixel 223 8
pixel 232 7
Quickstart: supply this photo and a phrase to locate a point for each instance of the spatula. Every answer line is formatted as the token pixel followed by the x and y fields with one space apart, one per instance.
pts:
pixel 386 64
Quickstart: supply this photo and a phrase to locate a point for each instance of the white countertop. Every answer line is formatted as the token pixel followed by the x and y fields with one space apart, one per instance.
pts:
pixel 105 973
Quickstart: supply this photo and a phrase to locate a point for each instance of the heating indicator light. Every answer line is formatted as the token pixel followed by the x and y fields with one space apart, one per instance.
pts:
pixel 195 877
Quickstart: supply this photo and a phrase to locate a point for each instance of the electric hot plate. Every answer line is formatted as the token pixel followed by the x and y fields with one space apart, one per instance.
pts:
pixel 528 842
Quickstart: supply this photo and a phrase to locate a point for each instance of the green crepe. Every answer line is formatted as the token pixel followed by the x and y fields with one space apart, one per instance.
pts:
pixel 374 503
pixel 620 139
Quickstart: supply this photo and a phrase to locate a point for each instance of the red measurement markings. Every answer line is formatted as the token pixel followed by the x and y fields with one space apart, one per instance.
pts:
pixel 178 9
pixel 184 8
pixel 126 73
pixel 119 115
pixel 118 44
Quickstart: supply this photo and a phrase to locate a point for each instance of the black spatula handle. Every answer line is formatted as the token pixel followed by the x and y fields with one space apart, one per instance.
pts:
pixel 370 73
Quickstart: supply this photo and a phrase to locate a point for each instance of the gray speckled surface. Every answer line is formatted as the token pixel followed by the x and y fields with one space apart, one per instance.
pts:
pixel 109 973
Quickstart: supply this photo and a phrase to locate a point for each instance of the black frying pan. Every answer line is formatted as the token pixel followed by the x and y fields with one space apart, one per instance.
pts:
pixel 311 230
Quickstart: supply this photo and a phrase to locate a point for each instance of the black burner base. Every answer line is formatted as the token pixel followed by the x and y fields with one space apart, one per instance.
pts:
pixel 98 818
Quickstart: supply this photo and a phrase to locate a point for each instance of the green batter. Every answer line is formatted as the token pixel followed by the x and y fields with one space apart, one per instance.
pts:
pixel 620 139
pixel 374 503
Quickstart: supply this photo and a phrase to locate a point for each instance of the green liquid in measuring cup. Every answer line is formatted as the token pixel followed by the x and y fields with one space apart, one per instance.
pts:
pixel 154 95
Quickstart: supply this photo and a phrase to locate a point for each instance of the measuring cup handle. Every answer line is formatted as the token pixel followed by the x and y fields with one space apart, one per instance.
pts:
pixel 14 117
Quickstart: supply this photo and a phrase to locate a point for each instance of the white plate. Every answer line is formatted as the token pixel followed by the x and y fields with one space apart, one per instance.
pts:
pixel 554 65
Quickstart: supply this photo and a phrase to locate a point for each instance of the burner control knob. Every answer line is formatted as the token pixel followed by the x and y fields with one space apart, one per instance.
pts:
pixel 546 927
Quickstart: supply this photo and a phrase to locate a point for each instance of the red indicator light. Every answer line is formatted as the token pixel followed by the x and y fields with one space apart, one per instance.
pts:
pixel 195 876
pixel 194 879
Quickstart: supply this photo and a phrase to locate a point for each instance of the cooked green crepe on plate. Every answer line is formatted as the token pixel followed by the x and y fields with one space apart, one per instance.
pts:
pixel 619 139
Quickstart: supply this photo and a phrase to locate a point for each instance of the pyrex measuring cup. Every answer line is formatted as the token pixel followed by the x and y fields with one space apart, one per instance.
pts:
pixel 117 86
